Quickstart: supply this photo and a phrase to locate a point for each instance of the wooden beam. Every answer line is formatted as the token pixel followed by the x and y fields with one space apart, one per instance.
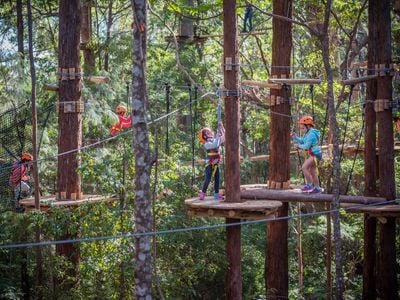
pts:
pixel 298 196
pixel 294 81
pixel 358 80
pixel 50 87
pixel 264 84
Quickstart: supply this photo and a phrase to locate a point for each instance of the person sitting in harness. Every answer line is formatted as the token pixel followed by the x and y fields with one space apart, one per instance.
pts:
pixel 310 143
pixel 124 120
pixel 212 143
pixel 18 180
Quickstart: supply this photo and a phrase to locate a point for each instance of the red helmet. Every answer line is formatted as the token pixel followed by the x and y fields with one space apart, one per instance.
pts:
pixel 26 156
pixel 204 134
pixel 306 120
pixel 121 109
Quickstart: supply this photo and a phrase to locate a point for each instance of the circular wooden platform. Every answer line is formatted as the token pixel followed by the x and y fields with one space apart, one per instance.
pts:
pixel 248 209
pixel 48 202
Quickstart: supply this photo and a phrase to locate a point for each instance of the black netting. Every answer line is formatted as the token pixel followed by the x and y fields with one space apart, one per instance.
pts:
pixel 15 138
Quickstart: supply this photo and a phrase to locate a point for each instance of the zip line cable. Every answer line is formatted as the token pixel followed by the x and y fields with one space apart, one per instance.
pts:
pixel 189 229
pixel 110 138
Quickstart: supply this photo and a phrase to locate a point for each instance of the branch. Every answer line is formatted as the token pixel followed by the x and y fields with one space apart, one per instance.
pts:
pixel 283 18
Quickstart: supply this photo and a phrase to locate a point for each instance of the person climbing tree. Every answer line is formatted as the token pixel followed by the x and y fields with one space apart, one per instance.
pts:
pixel 248 17
pixel 212 143
pixel 18 179
pixel 310 143
pixel 124 120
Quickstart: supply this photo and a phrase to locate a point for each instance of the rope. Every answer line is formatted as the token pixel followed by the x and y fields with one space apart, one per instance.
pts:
pixel 347 121
pixel 189 229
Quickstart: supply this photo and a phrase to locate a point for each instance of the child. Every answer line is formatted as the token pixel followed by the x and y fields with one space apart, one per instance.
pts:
pixel 248 17
pixel 211 144
pixel 309 142
pixel 124 121
pixel 18 179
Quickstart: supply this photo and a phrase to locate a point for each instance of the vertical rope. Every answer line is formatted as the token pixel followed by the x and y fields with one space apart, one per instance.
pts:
pixel 312 100
pixel 347 121
pixel 167 101
pixel 191 127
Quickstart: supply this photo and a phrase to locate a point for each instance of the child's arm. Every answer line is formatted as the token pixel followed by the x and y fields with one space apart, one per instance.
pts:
pixel 308 141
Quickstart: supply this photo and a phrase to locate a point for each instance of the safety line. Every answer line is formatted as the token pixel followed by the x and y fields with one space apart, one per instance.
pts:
pixel 179 230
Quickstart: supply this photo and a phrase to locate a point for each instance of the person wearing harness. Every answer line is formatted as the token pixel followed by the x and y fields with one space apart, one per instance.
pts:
pixel 124 120
pixel 18 179
pixel 212 143
pixel 310 143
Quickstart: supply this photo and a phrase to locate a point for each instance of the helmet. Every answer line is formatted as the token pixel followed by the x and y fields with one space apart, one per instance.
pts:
pixel 306 120
pixel 26 156
pixel 204 134
pixel 120 109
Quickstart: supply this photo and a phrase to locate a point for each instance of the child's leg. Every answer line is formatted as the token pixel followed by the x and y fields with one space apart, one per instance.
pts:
pixel 216 179
pixel 314 173
pixel 207 178
pixel 306 167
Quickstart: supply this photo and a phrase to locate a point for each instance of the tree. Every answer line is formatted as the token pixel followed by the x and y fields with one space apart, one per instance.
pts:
pixel 276 261
pixel 143 218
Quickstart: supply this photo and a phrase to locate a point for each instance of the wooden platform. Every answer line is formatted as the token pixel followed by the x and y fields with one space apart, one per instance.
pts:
pixel 48 202
pixel 250 210
pixel 391 210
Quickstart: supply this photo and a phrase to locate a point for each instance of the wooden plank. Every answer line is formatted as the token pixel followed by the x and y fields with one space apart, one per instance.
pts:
pixel 296 195
pixel 358 80
pixel 264 84
pixel 391 210
pixel 293 81
pixel 249 205
pixel 235 214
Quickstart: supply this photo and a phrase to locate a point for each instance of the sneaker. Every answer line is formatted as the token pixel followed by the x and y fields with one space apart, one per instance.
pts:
pixel 202 195
pixel 307 188
pixel 218 196
pixel 315 190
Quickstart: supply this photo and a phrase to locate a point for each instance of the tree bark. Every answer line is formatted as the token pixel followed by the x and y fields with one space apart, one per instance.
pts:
pixel 370 159
pixel 143 218
pixel 387 285
pixel 276 261
pixel 38 251
pixel 232 155
pixel 108 35
pixel 324 40
pixel 86 38
pixel 20 28
pixel 70 123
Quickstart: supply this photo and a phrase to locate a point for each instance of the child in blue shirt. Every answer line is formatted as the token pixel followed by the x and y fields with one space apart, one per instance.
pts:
pixel 310 143
pixel 212 143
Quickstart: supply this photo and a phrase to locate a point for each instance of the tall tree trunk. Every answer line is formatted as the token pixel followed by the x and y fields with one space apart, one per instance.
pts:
pixel 39 258
pixel 387 286
pixel 20 28
pixel 108 35
pixel 232 157
pixel 324 39
pixel 143 217
pixel 369 268
pixel 276 261
pixel 69 118
pixel 86 38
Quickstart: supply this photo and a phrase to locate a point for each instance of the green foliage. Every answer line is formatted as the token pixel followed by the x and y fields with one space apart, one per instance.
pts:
pixel 187 264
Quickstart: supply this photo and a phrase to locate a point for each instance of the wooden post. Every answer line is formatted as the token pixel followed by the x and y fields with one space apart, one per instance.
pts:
pixel 276 262
pixel 232 156
pixel 387 285
pixel 370 161
pixel 86 37
pixel 70 123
